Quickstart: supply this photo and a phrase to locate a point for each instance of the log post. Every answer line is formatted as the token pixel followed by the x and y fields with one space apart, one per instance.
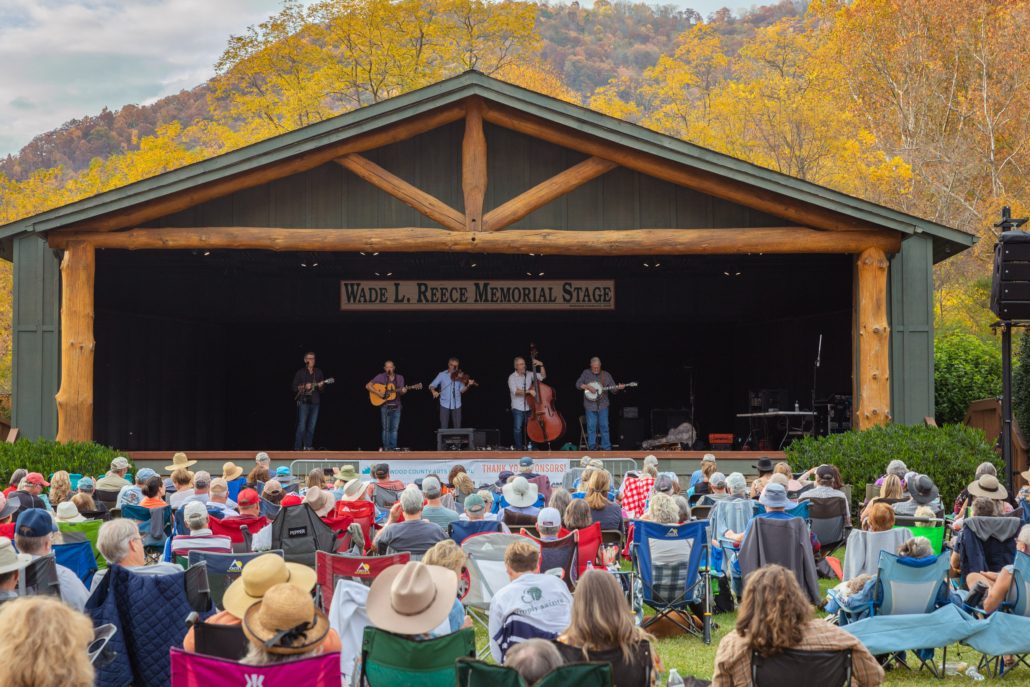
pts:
pixel 75 398
pixel 473 167
pixel 873 384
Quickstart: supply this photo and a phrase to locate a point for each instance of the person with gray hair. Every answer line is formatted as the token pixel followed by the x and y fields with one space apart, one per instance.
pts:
pixel 533 659
pixel 994 587
pixel 434 511
pixel 406 530
pixel 894 467
pixel 120 543
pixel 964 499
pixel 736 485
pixel 201 538
pixel 597 410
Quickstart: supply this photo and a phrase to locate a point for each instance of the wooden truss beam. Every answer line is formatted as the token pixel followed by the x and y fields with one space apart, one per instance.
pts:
pixel 473 166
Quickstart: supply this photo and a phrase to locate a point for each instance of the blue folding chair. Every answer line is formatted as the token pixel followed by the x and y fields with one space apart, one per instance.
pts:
pixel 672 587
pixel 77 557
pixel 460 530
pixel 155 526
pixel 236 486
pixel 798 511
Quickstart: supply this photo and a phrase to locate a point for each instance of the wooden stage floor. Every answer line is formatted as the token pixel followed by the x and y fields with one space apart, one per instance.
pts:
pixel 244 457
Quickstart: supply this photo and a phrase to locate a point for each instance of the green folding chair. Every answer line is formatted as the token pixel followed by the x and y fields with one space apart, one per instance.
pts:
pixel 935 532
pixel 474 673
pixel 88 530
pixel 389 660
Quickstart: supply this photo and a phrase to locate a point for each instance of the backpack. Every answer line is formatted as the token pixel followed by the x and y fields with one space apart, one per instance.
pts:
pixel 299 532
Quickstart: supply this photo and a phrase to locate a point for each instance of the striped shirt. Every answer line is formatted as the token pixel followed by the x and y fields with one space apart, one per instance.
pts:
pixel 733 658
pixel 200 540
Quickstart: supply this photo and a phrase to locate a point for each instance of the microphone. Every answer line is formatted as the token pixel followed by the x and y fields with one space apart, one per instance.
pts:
pixel 819 351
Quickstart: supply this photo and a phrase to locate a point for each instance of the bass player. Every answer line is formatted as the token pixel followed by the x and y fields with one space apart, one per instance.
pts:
pixel 389 412
pixel 520 385
pixel 597 410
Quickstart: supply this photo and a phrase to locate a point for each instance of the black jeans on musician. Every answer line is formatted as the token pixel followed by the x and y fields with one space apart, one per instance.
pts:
pixel 519 418
pixel 307 416
pixel 450 417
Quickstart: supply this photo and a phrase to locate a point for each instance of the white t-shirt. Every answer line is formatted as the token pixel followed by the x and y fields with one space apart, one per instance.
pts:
pixel 534 605
pixel 523 382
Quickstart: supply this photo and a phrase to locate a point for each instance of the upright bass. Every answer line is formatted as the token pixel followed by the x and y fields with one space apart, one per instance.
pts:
pixel 545 423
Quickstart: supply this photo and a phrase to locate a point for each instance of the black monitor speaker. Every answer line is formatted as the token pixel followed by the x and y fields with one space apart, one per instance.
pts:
pixel 1010 286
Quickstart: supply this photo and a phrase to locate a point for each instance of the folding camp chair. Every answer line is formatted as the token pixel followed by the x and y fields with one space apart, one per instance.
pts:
pixel 487 574
pixel 727 515
pixel 1016 602
pixel 77 557
pixel 987 544
pixel 559 554
pixel 40 578
pixel 673 587
pixel 90 515
pixel 84 531
pixel 389 660
pixel 331 568
pixel 785 542
pixel 515 519
pixel 613 538
pixel 474 673
pixel 269 509
pixel 862 552
pixel 155 526
pixel 299 532
pixel 197 670
pixel 828 518
pixel 239 529
pixel 108 497
pixel 801 510
pixel 384 498
pixel 934 531
pixel 460 530
pixel 792 667
pixel 223 569
pixel 701 511
pixel 214 639
pixel 590 540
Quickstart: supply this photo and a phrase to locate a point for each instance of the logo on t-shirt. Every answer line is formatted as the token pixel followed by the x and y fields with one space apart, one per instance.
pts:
pixel 531 595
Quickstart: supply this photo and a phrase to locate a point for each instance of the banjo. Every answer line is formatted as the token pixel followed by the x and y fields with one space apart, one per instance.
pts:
pixel 594 389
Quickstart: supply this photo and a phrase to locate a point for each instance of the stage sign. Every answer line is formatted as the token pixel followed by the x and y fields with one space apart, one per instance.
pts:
pixel 481 471
pixel 523 294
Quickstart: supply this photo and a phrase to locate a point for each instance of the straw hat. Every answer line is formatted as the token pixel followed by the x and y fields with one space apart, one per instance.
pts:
pixel 285 621
pixel 10 559
pixel 354 491
pixel 179 460
pixel 68 512
pixel 520 492
pixel 231 471
pixel 412 599
pixel 261 574
pixel 989 486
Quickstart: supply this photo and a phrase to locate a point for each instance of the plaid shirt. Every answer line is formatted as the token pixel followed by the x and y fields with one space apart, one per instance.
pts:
pixel 733 659
pixel 634 495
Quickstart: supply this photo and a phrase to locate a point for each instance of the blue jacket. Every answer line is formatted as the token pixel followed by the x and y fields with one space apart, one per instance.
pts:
pixel 150 614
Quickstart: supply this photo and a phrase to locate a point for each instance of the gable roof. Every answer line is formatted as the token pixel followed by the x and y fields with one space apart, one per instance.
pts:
pixel 947 240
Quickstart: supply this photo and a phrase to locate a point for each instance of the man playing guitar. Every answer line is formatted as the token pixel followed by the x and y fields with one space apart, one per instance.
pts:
pixel 448 387
pixel 390 411
pixel 597 410
pixel 307 385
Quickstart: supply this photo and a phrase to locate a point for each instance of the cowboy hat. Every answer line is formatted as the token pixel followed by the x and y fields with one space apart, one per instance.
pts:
pixel 354 491
pixel 68 512
pixel 989 486
pixel 320 500
pixel 261 574
pixel 412 599
pixel 285 621
pixel 763 465
pixel 8 507
pixel 922 489
pixel 10 559
pixel 231 471
pixel 520 492
pixel 179 460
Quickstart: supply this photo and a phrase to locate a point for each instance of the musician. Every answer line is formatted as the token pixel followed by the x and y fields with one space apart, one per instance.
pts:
pixel 307 385
pixel 448 387
pixel 597 411
pixel 389 412
pixel 520 385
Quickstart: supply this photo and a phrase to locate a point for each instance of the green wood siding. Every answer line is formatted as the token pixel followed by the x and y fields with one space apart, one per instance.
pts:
pixel 910 303
pixel 36 357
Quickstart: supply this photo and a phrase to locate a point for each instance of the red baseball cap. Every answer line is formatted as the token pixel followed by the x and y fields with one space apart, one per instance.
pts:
pixel 291 500
pixel 247 497
pixel 36 478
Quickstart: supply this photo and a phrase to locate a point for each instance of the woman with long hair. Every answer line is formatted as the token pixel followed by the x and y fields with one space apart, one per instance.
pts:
pixel 45 644
pixel 891 491
pixel 257 477
pixel 84 502
pixel 577 515
pixel 775 616
pixel 560 499
pixel 601 628
pixel 463 486
pixel 602 509
pixel 60 488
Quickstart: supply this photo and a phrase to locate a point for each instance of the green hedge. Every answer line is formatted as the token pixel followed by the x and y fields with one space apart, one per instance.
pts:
pixel 966 369
pixel 949 455
pixel 47 457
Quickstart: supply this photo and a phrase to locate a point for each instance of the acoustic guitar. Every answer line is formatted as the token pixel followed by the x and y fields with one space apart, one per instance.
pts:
pixel 384 393
pixel 302 393
pixel 594 389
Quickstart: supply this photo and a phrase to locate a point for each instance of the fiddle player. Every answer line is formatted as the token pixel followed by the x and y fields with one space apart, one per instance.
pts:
pixel 520 385
pixel 597 411
pixel 448 387
pixel 389 412
pixel 307 385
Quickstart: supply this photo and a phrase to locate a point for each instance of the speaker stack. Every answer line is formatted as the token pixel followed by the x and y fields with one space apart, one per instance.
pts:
pixel 1010 287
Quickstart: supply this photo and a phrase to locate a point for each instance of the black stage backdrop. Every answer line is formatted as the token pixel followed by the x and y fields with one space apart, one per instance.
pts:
pixel 197 351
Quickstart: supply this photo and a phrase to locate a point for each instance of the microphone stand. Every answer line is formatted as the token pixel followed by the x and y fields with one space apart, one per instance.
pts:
pixel 815 374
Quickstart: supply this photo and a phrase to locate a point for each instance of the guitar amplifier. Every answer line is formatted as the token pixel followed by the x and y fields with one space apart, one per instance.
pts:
pixel 486 439
pixel 720 442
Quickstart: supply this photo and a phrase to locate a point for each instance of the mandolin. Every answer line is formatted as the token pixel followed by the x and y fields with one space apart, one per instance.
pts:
pixel 302 393
pixel 384 393
pixel 594 389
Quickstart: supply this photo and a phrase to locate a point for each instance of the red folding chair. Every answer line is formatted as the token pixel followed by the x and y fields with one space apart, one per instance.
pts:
pixel 589 544
pixel 561 554
pixel 332 567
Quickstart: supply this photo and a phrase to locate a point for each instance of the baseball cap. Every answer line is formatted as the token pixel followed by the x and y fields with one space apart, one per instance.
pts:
pixel 87 484
pixel 291 500
pixel 525 462
pixel 380 470
pixel 36 478
pixel 474 503
pixel 650 459
pixel 718 480
pixel 34 522
pixel 502 477
pixel 663 484
pixel 824 472
pixel 548 517
pixel 262 457
pixel 219 485
pixel 708 458
pixel 144 474
pixel 431 487
pixel 120 463
pixel 273 486
pixel 247 497
pixel 201 479
pixel 195 513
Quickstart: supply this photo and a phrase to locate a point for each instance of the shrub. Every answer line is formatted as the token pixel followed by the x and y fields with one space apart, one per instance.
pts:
pixel 1021 385
pixel 949 455
pixel 966 368
pixel 46 457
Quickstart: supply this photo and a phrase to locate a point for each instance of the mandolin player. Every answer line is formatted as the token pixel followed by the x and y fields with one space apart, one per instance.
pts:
pixel 520 385
pixel 597 410
pixel 389 412
pixel 448 387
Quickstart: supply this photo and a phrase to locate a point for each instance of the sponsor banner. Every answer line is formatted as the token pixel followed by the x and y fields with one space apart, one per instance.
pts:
pixel 481 471
pixel 522 294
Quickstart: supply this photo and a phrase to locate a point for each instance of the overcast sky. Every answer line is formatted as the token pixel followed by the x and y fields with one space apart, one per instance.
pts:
pixel 68 58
